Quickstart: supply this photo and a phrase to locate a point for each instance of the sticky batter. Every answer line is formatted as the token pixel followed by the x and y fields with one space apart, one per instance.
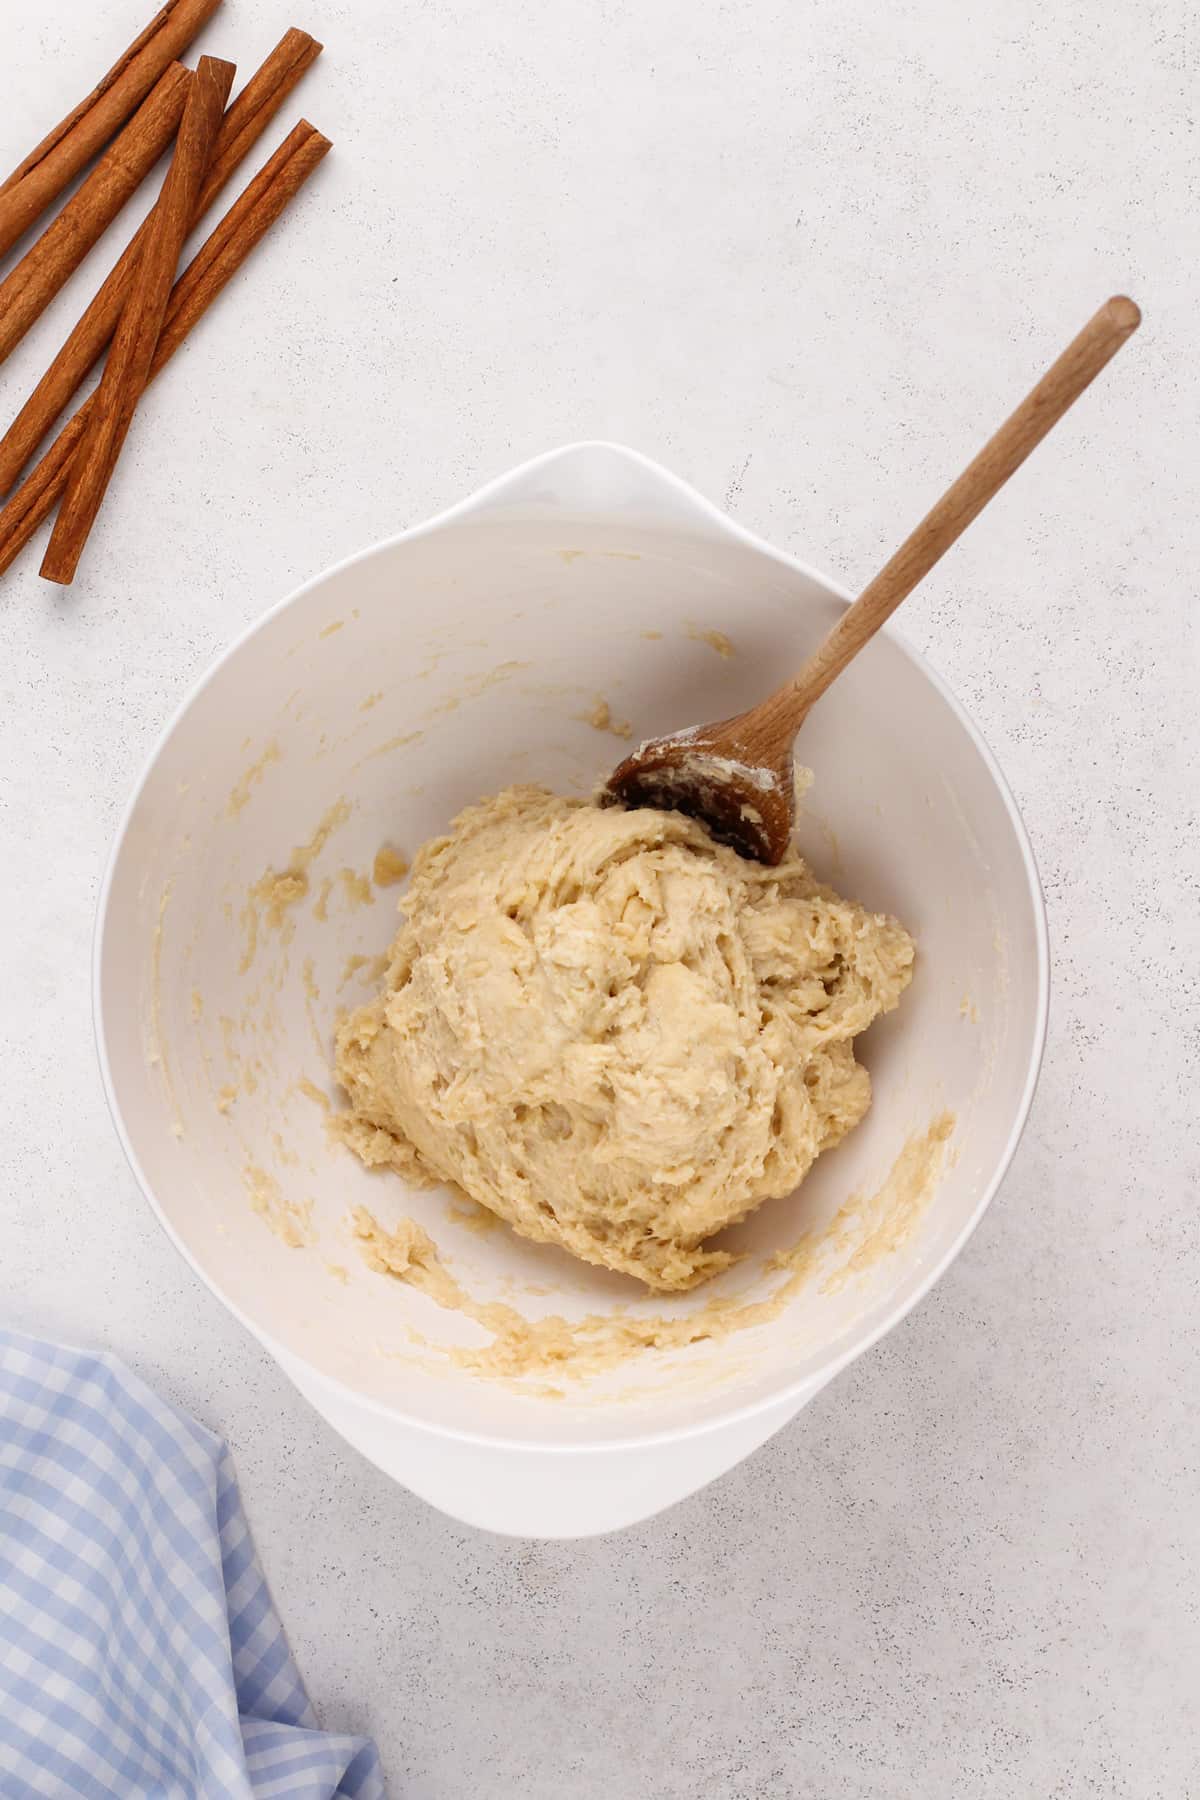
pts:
pixel 613 1032
pixel 866 1230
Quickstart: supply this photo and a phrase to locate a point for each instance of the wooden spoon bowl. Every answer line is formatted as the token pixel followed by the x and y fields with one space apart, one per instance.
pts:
pixel 731 775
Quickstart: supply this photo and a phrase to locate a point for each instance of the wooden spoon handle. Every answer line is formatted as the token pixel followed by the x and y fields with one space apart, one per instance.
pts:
pixel 1004 453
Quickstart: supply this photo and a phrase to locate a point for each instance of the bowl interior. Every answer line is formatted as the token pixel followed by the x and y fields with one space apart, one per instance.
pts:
pixel 372 707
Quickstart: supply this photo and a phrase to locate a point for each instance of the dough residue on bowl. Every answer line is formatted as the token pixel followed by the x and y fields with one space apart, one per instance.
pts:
pixel 290 1220
pixel 270 899
pixel 716 640
pixel 602 718
pixel 390 866
pixel 613 1032
pixel 867 1230
pixel 244 785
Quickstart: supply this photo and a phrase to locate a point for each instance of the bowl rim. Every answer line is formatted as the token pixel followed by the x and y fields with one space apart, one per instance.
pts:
pixel 721 1416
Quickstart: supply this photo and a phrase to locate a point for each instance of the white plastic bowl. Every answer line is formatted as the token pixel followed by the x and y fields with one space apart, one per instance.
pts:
pixel 489 633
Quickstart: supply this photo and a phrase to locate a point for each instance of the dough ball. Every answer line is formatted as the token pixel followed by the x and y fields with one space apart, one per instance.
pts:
pixel 615 1033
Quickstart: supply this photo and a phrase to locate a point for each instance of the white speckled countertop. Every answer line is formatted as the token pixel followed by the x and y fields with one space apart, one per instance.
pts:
pixel 805 255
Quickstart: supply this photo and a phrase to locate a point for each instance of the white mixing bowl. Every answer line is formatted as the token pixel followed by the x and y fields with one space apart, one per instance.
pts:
pixel 414 678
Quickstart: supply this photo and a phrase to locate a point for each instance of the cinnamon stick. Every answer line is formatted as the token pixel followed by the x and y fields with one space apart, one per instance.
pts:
pixel 29 288
pixel 210 270
pixel 74 141
pixel 128 367
pixel 241 128
pixel 255 107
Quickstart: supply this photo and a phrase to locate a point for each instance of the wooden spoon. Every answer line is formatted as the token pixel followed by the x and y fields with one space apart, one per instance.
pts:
pixel 736 775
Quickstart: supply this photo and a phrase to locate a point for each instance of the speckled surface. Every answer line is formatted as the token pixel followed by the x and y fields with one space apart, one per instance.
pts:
pixel 805 255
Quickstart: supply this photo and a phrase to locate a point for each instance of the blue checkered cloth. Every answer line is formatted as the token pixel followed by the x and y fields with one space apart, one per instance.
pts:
pixel 140 1654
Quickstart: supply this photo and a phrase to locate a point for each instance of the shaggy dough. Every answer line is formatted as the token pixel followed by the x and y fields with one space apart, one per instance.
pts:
pixel 615 1033
pixel 866 1230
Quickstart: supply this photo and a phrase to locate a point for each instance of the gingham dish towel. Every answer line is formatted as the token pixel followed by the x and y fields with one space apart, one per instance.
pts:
pixel 140 1654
